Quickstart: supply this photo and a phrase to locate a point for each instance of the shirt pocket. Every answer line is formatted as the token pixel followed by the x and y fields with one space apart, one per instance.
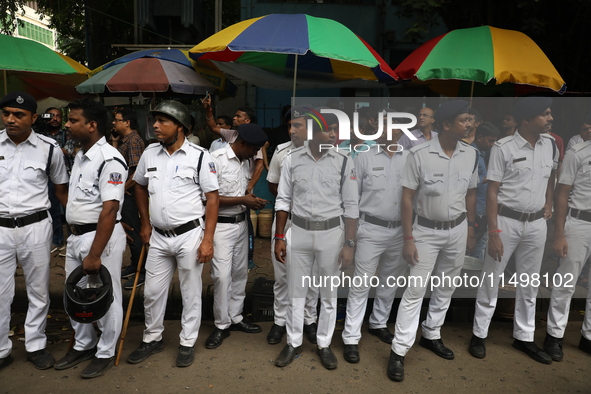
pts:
pixel 154 179
pixel 546 170
pixel 300 185
pixel 433 184
pixel 377 180
pixel 521 170
pixel 33 171
pixel 3 170
pixel 331 185
pixel 229 185
pixel 85 191
pixel 463 182
pixel 182 181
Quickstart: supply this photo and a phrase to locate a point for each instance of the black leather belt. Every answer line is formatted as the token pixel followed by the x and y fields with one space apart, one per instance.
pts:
pixel 80 229
pixel 521 216
pixel 23 221
pixel 232 219
pixel 380 222
pixel 437 225
pixel 183 228
pixel 316 225
pixel 580 214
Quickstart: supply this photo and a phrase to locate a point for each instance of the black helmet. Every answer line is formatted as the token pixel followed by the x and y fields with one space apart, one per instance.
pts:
pixel 175 110
pixel 89 304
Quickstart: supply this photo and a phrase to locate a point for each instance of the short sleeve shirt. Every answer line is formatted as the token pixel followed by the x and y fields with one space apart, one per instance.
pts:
pixel 522 170
pixel 231 135
pixel 441 182
pixel 276 164
pixel 98 175
pixel 175 185
pixel 576 172
pixel 407 143
pixel 23 177
pixel 233 176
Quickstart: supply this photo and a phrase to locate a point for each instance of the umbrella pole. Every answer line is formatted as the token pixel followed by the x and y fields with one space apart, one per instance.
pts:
pixel 471 93
pixel 295 76
pixel 5 83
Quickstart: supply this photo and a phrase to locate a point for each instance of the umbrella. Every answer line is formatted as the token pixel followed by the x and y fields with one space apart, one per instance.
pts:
pixel 30 66
pixel 149 71
pixel 298 46
pixel 482 54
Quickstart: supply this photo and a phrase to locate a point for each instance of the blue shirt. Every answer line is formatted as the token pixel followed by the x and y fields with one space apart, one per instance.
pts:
pixel 482 186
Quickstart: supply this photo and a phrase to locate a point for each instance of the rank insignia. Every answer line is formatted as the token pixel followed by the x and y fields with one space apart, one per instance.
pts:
pixel 115 178
pixel 212 167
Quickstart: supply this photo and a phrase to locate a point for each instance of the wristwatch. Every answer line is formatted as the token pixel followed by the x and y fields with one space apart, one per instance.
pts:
pixel 350 242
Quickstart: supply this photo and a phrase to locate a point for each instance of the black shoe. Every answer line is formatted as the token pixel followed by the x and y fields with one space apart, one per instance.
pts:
pixel 310 331
pixel 276 334
pixel 185 357
pixel 128 285
pixel 327 357
pixel 395 367
pixel 585 345
pixel 144 351
pixel 128 272
pixel 383 334
pixel 246 326
pixel 287 355
pixel 6 361
pixel 437 347
pixel 97 367
pixel 532 350
pixel 74 357
pixel 553 347
pixel 216 338
pixel 42 359
pixel 477 348
pixel 351 354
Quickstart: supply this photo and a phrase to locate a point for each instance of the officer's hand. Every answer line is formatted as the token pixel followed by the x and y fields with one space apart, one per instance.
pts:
pixel 91 265
pixel 346 257
pixel 495 246
pixel 547 211
pixel 280 251
pixel 253 202
pixel 471 241
pixel 127 228
pixel 145 234
pixel 409 252
pixel 205 251
pixel 560 247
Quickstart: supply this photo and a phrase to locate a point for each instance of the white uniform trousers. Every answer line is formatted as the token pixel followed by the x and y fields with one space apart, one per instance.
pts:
pixel 441 252
pixel 110 324
pixel 307 249
pixel 576 232
pixel 229 271
pixel 29 245
pixel 379 252
pixel 165 255
pixel 527 240
pixel 281 292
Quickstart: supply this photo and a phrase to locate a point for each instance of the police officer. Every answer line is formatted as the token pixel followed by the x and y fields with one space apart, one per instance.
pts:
pixel 27 161
pixel 318 186
pixel 440 177
pixel 93 213
pixel 519 196
pixel 379 241
pixel 573 244
pixel 296 123
pixel 234 166
pixel 173 174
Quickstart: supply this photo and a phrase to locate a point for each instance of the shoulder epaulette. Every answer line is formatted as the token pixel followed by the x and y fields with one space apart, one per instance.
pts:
pixel 580 146
pixel 153 145
pixel 504 140
pixel 283 146
pixel 546 135
pixel 199 148
pixel 48 140
pixel 420 146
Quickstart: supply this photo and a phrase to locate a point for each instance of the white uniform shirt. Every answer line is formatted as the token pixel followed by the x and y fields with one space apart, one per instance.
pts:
pixel 407 143
pixel 576 172
pixel 233 177
pixel 231 135
pixel 87 190
pixel 23 181
pixel 378 181
pixel 174 186
pixel 575 139
pixel 217 144
pixel 277 162
pixel 441 181
pixel 522 170
pixel 314 187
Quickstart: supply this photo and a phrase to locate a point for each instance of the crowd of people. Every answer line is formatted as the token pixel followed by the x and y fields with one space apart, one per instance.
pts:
pixel 455 186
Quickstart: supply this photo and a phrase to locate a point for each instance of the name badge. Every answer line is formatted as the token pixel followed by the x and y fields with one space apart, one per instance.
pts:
pixel 152 169
pixel 518 160
pixel 438 175
pixel 377 168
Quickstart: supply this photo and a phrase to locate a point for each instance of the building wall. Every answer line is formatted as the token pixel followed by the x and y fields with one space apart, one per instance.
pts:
pixel 33 27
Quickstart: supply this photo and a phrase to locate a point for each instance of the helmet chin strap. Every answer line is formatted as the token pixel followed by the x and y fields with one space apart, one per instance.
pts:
pixel 166 145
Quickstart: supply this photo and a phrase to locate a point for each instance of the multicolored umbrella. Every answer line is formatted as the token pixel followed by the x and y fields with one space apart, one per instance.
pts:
pixel 30 66
pixel 298 46
pixel 481 54
pixel 165 71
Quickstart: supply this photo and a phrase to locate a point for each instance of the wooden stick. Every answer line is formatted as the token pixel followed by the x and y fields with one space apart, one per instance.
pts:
pixel 128 313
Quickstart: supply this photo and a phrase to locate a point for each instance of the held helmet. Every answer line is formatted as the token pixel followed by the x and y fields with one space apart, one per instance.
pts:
pixel 175 110
pixel 86 305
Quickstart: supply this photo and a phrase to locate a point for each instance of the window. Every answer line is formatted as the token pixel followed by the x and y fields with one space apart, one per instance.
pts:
pixel 35 33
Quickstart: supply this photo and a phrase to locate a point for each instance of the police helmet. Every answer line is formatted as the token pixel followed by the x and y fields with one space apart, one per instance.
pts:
pixel 86 305
pixel 176 110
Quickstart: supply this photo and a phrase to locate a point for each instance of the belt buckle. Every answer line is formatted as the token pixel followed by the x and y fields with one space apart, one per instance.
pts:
pixel 18 222
pixel 169 233
pixel 316 225
pixel 524 217
pixel 438 225
pixel 73 229
pixel 578 213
